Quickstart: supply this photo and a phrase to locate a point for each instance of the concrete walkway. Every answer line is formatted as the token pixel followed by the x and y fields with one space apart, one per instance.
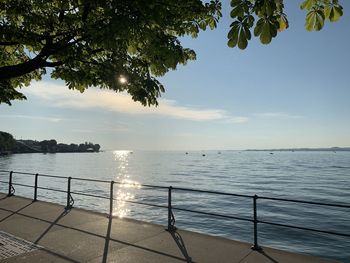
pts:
pixel 83 236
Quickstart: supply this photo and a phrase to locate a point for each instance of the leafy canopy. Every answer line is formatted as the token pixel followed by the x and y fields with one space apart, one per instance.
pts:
pixel 266 18
pixel 124 45
pixel 96 42
pixel 6 142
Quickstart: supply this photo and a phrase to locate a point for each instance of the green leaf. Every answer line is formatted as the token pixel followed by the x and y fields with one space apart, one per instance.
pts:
pixel 202 25
pixel 239 8
pixel 283 23
pixel 310 18
pixel 233 36
pixel 247 32
pixel 239 35
pixel 315 20
pixel 265 8
pixel 237 11
pixel 243 39
pixel 258 27
pixel 249 19
pixel 333 13
pixel 308 4
pixel 265 36
pixel 231 43
pixel 212 23
pixel 132 49
pixel 319 20
pixel 235 2
pixel 234 30
pixel 266 29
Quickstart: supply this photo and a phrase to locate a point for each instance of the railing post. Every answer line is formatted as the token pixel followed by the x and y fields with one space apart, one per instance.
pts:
pixel 36 187
pixel 255 220
pixel 68 206
pixel 10 193
pixel 111 200
pixel 170 212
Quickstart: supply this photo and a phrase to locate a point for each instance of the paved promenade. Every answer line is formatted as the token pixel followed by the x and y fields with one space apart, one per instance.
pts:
pixel 83 236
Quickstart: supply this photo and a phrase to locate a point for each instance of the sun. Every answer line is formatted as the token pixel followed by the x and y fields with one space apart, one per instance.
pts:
pixel 122 79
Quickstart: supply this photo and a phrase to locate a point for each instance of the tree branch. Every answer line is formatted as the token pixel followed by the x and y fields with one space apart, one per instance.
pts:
pixel 13 71
pixel 86 12
pixel 53 64
pixel 9 43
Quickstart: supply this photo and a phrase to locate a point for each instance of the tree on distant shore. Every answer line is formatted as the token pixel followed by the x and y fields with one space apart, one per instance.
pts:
pixel 6 142
pixel 9 144
pixel 48 146
pixel 124 45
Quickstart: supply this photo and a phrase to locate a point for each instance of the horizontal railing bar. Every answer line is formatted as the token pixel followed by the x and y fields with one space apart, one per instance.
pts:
pixel 25 185
pixel 41 175
pixel 4 182
pixel 142 203
pixel 53 176
pixel 90 180
pixel 304 202
pixel 211 192
pixel 14 172
pixel 51 189
pixel 97 196
pixel 142 185
pixel 190 190
pixel 212 214
pixel 304 228
pixel 154 186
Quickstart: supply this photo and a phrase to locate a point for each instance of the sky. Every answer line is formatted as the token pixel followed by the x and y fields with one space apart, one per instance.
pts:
pixel 294 92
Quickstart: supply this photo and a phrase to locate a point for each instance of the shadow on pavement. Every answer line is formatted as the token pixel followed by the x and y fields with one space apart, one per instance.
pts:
pixel 107 237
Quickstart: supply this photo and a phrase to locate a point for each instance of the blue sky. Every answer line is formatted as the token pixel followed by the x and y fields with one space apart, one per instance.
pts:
pixel 292 93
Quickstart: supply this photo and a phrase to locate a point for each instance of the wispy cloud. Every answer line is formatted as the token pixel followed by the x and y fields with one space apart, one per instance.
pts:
pixel 41 118
pixel 237 119
pixel 59 96
pixel 283 115
pixel 102 130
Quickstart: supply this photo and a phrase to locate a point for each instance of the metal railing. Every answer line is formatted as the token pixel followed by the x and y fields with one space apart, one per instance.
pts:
pixel 170 208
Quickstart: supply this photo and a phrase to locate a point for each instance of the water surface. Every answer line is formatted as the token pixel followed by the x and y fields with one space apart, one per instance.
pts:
pixel 311 176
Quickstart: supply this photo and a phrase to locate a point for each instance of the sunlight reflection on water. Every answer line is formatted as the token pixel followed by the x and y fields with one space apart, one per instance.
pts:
pixel 124 192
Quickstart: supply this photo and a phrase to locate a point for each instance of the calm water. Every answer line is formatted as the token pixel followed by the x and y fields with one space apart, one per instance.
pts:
pixel 313 176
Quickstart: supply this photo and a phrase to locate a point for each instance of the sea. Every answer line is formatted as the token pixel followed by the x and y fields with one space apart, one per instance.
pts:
pixel 322 176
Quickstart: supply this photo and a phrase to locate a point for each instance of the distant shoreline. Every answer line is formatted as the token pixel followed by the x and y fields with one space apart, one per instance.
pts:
pixel 9 145
pixel 332 149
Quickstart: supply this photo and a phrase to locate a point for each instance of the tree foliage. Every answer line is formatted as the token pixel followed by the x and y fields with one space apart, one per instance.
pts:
pixel 124 45
pixel 267 17
pixel 9 144
pixel 6 142
pixel 95 42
